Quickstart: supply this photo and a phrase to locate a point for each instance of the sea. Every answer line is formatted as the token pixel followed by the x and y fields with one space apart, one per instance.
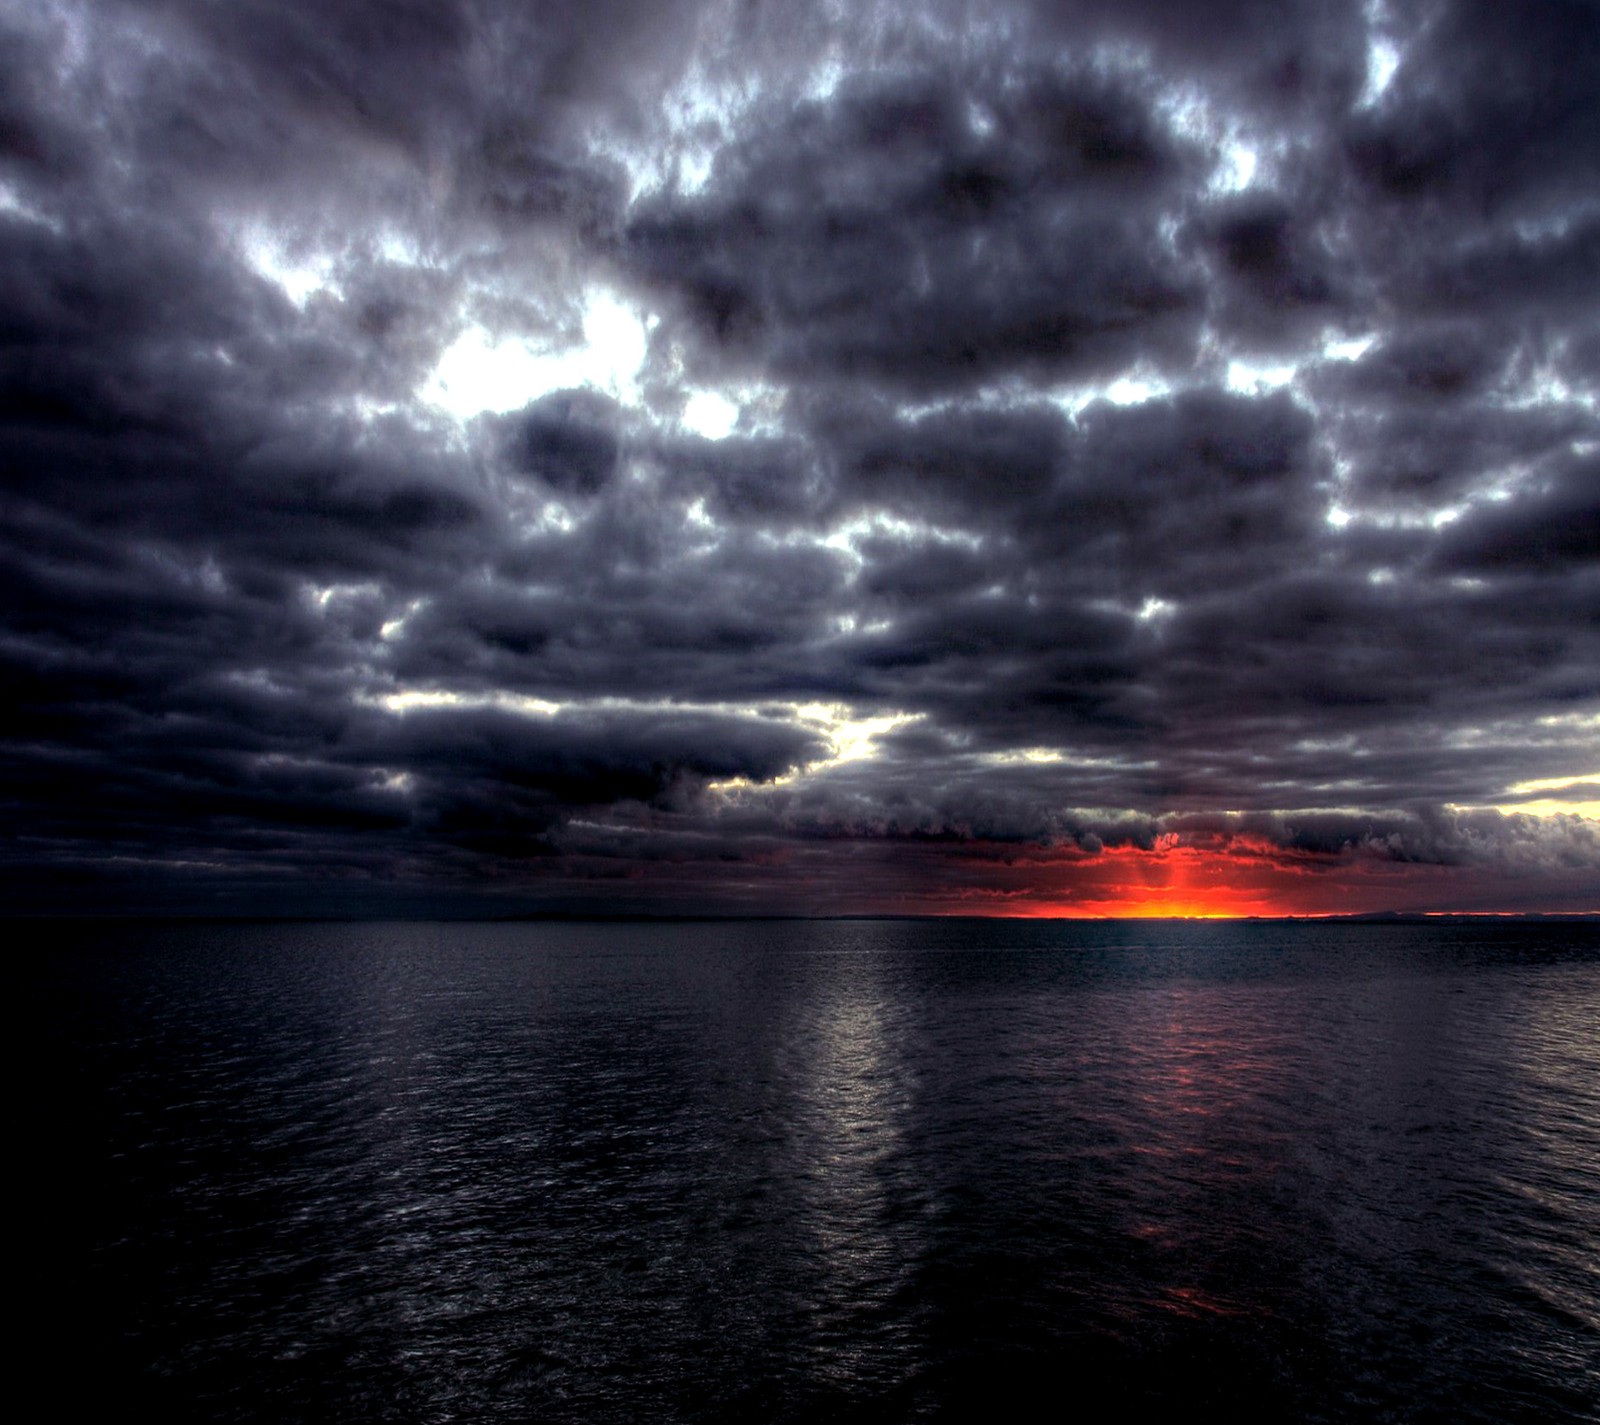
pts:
pixel 837 1170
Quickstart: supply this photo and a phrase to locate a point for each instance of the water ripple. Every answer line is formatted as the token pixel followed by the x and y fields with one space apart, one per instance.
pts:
pixel 813 1171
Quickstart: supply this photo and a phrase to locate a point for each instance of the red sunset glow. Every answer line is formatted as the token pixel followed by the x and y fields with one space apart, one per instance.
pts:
pixel 1243 876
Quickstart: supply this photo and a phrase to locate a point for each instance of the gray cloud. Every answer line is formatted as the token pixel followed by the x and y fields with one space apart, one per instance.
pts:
pixel 897 456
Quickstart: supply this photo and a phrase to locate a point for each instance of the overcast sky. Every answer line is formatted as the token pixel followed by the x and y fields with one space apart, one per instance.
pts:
pixel 770 457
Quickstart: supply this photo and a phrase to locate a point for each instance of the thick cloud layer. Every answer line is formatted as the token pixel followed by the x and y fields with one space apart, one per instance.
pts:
pixel 731 456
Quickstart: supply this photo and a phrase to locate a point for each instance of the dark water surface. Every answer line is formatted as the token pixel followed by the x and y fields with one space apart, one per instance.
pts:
pixel 814 1171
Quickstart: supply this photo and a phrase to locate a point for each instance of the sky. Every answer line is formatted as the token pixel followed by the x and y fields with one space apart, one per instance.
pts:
pixel 464 456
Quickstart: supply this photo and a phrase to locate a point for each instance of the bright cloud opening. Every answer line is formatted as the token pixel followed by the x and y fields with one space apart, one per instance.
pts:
pixel 300 271
pixel 709 414
pixel 478 373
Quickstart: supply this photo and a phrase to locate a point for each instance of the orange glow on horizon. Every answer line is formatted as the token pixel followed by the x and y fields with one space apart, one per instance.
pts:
pixel 1225 878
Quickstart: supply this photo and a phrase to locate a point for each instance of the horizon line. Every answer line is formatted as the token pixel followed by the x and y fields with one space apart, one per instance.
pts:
pixel 665 917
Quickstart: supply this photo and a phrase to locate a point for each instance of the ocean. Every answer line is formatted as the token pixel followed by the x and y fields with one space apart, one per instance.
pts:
pixel 812 1171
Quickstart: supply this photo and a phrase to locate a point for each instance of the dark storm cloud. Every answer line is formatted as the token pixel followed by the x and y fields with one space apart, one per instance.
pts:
pixel 1491 107
pixel 969 464
pixel 567 440
pixel 1553 528
pixel 1141 426
pixel 762 481
pixel 933 231
pixel 1278 275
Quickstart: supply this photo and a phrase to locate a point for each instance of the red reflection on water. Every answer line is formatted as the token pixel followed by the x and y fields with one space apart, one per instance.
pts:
pixel 1193 1302
pixel 1205 1063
